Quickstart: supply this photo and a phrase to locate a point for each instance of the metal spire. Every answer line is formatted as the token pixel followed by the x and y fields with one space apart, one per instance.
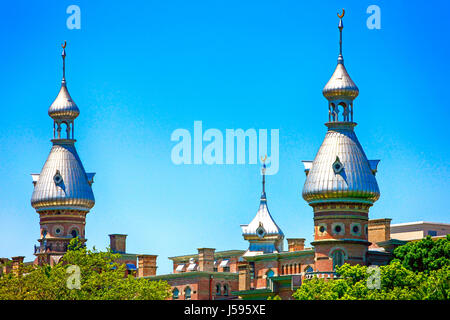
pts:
pixel 340 90
pixel 340 26
pixel 63 54
pixel 63 109
pixel 263 172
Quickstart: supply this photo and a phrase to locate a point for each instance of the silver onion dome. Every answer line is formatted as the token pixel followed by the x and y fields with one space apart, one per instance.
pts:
pixel 63 108
pixel 341 170
pixel 63 181
pixel 340 86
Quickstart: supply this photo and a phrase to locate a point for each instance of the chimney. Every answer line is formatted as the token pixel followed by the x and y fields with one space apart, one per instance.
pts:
pixel 244 276
pixel 117 242
pixel 17 263
pixel 296 244
pixel 146 265
pixel 379 230
pixel 206 259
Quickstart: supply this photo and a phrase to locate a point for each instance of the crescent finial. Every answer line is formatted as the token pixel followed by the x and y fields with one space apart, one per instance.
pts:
pixel 64 45
pixel 342 14
pixel 263 159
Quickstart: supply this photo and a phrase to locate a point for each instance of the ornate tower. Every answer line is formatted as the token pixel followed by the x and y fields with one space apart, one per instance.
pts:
pixel 62 194
pixel 263 233
pixel 340 182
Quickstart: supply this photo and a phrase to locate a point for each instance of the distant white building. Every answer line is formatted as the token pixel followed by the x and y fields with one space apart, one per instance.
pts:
pixel 418 230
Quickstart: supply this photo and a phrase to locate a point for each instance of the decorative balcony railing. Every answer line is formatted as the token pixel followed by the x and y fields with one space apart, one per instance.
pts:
pixel 49 248
pixel 321 275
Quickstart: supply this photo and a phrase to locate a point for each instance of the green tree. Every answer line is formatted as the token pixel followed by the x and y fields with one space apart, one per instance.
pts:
pixel 424 255
pixel 420 270
pixel 100 278
pixel 397 283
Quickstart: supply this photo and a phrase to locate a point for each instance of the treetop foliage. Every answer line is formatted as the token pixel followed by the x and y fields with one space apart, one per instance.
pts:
pixel 100 277
pixel 420 271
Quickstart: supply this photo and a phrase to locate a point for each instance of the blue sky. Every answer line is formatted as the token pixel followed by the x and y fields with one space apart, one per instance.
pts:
pixel 138 70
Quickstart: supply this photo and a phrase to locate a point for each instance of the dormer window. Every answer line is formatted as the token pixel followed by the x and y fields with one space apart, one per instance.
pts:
pixel 57 178
pixel 337 166
pixel 260 232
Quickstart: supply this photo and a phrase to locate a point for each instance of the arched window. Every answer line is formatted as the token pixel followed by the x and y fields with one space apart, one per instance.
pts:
pixel 225 290
pixel 66 128
pixel 175 294
pixel 74 233
pixel 345 111
pixel 338 258
pixel 269 274
pixel 218 291
pixel 351 111
pixel 187 293
pixel 332 114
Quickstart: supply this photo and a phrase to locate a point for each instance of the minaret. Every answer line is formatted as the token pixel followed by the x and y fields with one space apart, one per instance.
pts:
pixel 340 182
pixel 62 194
pixel 263 233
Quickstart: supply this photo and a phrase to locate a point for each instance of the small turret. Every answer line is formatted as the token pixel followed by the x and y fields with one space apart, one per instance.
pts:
pixel 262 232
